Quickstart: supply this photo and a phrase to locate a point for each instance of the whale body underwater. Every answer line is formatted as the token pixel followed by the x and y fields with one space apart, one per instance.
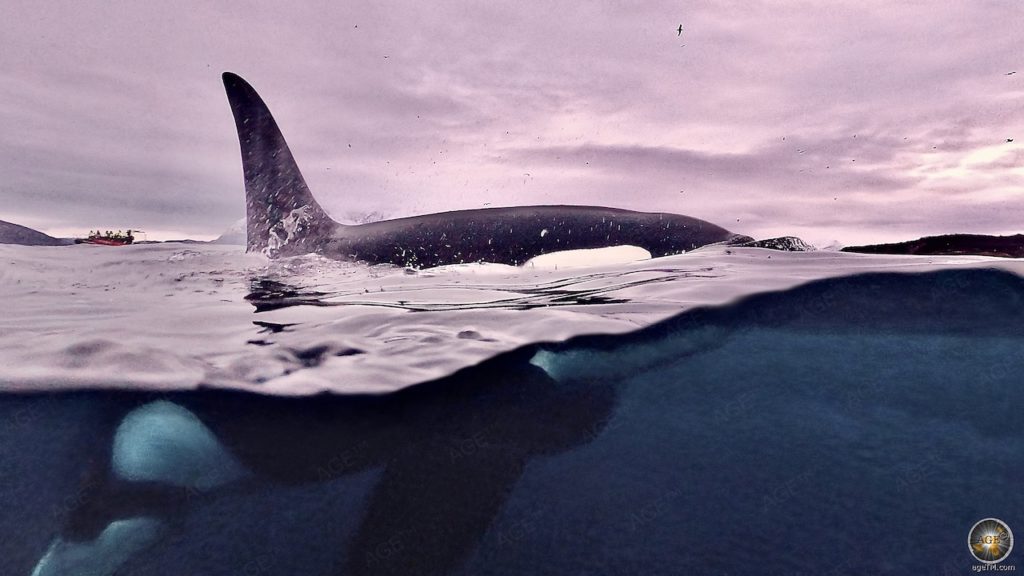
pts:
pixel 284 219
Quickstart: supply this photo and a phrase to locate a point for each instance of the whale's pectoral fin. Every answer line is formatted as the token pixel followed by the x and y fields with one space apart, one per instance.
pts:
pixel 429 510
pixel 282 217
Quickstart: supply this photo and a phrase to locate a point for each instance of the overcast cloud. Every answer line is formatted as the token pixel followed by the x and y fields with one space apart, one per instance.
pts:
pixel 871 121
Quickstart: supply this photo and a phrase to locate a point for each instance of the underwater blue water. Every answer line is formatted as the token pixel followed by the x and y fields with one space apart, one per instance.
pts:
pixel 856 425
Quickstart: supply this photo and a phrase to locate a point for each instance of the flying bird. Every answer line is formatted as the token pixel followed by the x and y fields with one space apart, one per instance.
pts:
pixel 679 31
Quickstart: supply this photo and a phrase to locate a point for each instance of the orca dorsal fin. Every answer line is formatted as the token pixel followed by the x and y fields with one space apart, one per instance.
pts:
pixel 282 217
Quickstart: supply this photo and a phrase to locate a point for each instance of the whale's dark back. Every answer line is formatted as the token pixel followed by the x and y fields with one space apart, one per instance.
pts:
pixel 514 235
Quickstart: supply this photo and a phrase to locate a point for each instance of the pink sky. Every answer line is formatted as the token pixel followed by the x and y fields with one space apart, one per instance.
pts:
pixel 869 121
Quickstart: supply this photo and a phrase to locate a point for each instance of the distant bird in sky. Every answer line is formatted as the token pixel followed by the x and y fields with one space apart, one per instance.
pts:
pixel 1009 139
pixel 679 31
pixel 1010 73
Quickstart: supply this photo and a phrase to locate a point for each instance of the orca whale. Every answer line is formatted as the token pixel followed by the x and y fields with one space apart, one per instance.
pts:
pixel 445 455
pixel 283 218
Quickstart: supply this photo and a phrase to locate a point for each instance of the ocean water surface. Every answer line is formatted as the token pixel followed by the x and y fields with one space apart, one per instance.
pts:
pixel 194 410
